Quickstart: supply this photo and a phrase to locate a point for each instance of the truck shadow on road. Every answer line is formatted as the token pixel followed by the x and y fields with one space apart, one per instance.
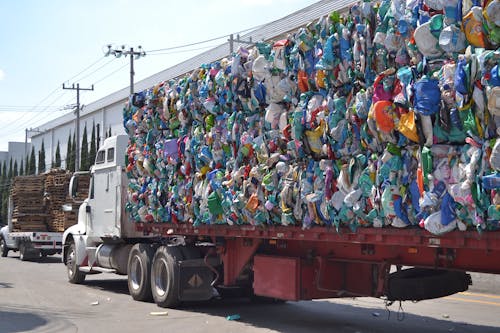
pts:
pixel 13 321
pixel 325 316
pixel 117 286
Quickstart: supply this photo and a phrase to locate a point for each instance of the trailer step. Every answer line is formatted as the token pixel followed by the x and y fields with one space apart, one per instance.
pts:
pixel 90 270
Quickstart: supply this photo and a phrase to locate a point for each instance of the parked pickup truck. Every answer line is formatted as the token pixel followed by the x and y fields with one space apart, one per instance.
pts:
pixel 30 244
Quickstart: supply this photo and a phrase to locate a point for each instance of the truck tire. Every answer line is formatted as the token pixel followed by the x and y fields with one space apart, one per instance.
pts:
pixel 75 276
pixel 416 284
pixel 4 250
pixel 165 279
pixel 139 272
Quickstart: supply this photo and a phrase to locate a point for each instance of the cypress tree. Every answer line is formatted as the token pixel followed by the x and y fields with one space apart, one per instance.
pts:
pixel 73 153
pixel 57 162
pixel 68 153
pixel 16 173
pixel 98 137
pixel 32 161
pixel 4 171
pixel 84 154
pixel 21 168
pixel 41 159
pixel 11 169
pixel 92 150
pixel 4 189
pixel 27 165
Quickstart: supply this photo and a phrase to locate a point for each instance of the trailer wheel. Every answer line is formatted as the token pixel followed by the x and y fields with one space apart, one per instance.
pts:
pixel 165 279
pixel 416 284
pixel 4 250
pixel 139 272
pixel 75 276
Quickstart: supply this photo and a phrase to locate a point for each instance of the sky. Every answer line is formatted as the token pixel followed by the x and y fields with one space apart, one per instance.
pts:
pixel 44 44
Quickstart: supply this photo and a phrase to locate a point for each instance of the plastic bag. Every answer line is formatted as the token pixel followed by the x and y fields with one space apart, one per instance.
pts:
pixel 408 127
pixel 472 25
pixel 427 96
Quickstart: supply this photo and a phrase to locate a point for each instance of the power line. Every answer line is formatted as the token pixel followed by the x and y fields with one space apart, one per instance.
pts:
pixel 110 74
pixel 184 51
pixel 97 69
pixel 86 68
pixel 204 41
pixel 77 88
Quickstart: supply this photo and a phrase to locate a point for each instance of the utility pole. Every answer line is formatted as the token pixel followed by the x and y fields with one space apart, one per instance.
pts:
pixel 77 88
pixel 119 52
pixel 231 41
pixel 26 130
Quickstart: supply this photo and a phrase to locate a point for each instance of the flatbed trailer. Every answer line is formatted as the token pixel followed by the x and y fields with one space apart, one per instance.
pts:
pixel 176 262
pixel 294 264
pixel 30 244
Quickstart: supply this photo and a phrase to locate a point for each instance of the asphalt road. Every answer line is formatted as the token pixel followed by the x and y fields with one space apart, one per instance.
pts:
pixel 36 297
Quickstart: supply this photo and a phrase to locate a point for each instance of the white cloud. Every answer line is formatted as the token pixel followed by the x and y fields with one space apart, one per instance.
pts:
pixel 2 74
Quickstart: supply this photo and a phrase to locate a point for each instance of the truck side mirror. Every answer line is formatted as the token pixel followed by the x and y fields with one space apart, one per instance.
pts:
pixel 87 209
pixel 73 186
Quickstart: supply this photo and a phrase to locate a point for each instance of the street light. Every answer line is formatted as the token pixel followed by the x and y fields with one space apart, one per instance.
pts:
pixel 118 52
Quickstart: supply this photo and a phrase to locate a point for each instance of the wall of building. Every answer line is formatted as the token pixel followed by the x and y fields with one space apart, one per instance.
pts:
pixel 16 152
pixel 103 118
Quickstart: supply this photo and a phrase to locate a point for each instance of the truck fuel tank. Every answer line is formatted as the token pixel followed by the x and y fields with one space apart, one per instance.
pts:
pixel 113 256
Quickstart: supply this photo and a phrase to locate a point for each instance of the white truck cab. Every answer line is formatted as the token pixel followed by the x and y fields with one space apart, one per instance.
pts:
pixel 89 245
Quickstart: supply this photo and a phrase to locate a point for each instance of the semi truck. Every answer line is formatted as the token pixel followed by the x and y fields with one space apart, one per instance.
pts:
pixel 175 262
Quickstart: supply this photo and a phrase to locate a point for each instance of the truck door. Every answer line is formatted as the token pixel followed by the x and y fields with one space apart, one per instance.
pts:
pixel 104 198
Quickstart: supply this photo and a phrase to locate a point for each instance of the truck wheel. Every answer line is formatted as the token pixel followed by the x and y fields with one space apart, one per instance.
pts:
pixel 74 274
pixel 165 279
pixel 139 272
pixel 4 250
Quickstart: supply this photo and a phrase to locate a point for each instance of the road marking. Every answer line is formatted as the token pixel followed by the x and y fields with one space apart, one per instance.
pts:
pixel 468 293
pixel 472 301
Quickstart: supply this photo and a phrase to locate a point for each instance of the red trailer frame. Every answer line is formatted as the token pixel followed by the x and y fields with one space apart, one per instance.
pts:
pixel 293 263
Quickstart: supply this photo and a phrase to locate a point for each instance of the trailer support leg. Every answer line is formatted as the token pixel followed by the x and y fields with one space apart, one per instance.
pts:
pixel 235 254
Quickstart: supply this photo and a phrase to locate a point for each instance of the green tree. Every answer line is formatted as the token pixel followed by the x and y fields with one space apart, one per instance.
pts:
pixel 109 132
pixel 98 137
pixel 27 166
pixel 57 162
pixel 84 154
pixel 16 172
pixel 69 153
pixel 73 153
pixel 41 159
pixel 21 168
pixel 32 161
pixel 11 169
pixel 4 190
pixel 92 150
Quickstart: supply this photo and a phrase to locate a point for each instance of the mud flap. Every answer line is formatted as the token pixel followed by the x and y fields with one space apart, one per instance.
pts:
pixel 195 280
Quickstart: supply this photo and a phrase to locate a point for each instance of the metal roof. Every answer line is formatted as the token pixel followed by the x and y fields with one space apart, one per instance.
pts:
pixel 266 32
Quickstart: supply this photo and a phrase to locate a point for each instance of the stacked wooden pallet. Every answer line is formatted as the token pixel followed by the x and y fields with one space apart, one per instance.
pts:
pixel 71 216
pixel 56 187
pixel 38 201
pixel 29 203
